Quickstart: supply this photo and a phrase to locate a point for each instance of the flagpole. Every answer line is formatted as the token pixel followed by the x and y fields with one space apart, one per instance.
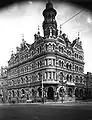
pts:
pixel 42 91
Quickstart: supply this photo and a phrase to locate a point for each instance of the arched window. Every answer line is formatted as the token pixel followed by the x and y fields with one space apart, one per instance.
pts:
pixel 59 48
pixel 77 55
pixel 80 79
pixel 32 52
pixel 23 91
pixel 40 63
pixel 50 62
pixel 54 62
pixel 67 77
pixel 13 94
pixel 53 47
pixel 33 92
pixel 39 76
pixel 70 66
pixel 70 78
pixel 18 93
pixel 46 47
pixel 61 76
pixel 60 63
pixel 22 80
pixel 67 65
pixel 62 49
pixel 40 49
pixel 26 79
pixel 77 78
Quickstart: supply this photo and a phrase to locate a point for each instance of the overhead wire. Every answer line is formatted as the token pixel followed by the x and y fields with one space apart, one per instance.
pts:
pixel 73 17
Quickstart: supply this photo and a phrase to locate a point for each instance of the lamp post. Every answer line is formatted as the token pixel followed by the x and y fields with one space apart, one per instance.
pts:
pixel 87 82
pixel 61 90
pixel 42 92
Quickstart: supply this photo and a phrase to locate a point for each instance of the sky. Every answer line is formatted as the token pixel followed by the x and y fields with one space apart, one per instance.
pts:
pixel 24 18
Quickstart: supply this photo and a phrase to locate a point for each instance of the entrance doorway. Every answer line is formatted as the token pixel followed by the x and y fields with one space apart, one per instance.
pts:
pixel 70 92
pixel 50 93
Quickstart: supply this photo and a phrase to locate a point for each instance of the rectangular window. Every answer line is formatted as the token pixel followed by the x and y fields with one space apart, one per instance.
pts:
pixel 53 62
pixel 53 75
pixel 46 62
pixel 49 62
pixel 49 75
pixel 46 75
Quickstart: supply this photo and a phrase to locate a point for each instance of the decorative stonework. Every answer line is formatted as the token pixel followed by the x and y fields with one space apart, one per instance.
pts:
pixel 46 59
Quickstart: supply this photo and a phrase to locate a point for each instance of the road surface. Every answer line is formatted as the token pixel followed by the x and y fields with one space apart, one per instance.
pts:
pixel 46 112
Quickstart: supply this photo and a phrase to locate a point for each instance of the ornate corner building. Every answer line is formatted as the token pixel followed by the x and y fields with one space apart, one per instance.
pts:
pixel 50 66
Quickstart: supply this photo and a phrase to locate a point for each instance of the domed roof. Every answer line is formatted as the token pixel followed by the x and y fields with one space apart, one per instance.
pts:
pixel 49 5
pixel 49 8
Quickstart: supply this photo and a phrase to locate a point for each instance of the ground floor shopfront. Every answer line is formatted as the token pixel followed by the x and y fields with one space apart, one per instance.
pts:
pixel 54 92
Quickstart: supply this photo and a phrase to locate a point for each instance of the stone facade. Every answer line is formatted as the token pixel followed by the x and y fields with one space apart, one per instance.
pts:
pixel 3 85
pixel 52 62
pixel 88 85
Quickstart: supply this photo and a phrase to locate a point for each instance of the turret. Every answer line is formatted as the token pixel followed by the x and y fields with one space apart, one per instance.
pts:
pixel 49 23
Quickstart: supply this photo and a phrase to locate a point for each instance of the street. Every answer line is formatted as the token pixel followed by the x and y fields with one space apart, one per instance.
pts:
pixel 45 112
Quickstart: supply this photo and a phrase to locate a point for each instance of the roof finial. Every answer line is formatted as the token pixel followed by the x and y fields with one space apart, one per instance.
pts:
pixel 78 35
pixel 38 30
pixel 12 52
pixel 60 29
pixel 23 38
pixel 49 4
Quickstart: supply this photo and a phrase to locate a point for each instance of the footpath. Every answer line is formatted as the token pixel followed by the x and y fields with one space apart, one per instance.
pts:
pixel 60 103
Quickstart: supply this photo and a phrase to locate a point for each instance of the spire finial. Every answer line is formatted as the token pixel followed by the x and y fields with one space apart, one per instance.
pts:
pixel 50 32
pixel 60 29
pixel 38 30
pixel 12 52
pixel 78 35
pixel 49 4
pixel 23 38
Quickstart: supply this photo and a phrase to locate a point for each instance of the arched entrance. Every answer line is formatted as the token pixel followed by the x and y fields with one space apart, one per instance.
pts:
pixel 50 93
pixel 81 93
pixel 39 91
pixel 76 92
pixel 70 92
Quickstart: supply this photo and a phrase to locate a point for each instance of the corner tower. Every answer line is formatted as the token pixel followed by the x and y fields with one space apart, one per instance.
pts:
pixel 49 23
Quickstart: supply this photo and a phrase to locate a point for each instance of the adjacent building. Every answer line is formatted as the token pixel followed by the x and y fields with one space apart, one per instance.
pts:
pixel 88 85
pixel 51 67
pixel 3 85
